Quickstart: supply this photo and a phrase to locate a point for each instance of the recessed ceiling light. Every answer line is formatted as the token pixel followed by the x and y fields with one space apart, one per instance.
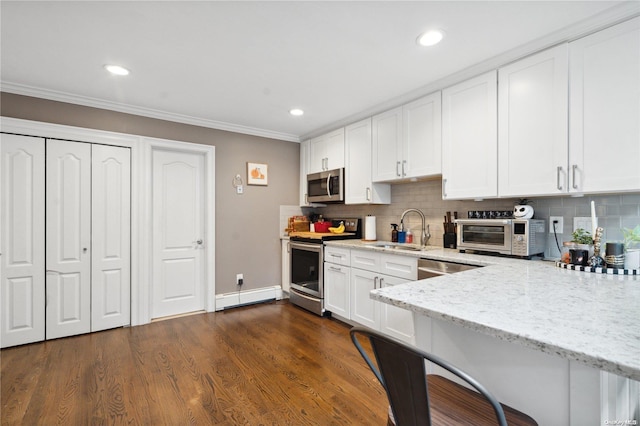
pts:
pixel 117 69
pixel 296 112
pixel 430 38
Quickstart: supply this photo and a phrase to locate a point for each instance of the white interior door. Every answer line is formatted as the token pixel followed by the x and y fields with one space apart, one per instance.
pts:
pixel 22 242
pixel 110 234
pixel 178 232
pixel 68 231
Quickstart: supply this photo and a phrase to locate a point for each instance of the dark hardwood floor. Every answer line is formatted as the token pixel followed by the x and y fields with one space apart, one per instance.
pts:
pixel 271 363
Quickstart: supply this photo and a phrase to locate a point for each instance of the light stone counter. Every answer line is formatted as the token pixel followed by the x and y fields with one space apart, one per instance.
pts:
pixel 586 317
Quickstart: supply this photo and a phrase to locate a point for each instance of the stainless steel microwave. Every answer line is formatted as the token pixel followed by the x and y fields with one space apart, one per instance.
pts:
pixel 513 237
pixel 326 187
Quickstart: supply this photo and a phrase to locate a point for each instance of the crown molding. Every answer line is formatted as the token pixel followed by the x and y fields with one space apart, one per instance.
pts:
pixel 53 95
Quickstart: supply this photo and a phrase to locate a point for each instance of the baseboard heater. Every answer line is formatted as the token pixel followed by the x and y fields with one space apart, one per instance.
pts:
pixel 248 297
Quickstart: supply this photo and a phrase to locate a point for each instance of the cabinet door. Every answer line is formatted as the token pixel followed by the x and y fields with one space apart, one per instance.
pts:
pixel 422 137
pixel 604 149
pixel 394 321
pixel 336 289
pixel 22 244
pixel 68 233
pixel 364 310
pixel 286 266
pixel 359 187
pixel 334 149
pixel 533 124
pixel 111 237
pixel 469 139
pixel 317 154
pixel 304 170
pixel 387 146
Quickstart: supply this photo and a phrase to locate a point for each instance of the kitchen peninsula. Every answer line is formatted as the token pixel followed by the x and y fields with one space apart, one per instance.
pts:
pixel 537 335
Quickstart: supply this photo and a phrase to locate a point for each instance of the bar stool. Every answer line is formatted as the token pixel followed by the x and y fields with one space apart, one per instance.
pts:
pixel 418 398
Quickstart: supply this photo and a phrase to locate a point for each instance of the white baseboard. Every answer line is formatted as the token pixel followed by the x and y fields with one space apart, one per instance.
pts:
pixel 230 300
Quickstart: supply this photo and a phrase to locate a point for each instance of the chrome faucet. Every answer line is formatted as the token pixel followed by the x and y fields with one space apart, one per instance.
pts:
pixel 424 238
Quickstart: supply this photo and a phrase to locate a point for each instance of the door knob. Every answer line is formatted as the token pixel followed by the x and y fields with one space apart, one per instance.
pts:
pixel 199 242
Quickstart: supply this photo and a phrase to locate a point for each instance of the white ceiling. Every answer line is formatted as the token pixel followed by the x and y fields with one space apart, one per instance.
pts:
pixel 242 65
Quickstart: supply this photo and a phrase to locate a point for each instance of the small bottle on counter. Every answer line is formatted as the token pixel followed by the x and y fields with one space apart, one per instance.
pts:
pixel 409 236
pixel 394 232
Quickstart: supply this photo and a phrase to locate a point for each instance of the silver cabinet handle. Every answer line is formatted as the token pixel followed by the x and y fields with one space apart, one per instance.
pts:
pixel 368 194
pixel 199 242
pixel 84 249
pixel 444 188
pixel 573 173
pixel 381 282
pixel 333 268
pixel 404 163
pixel 398 169
pixel 558 173
pixel 375 283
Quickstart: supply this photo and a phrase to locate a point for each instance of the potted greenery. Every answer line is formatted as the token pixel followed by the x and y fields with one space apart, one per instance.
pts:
pixel 631 239
pixel 580 247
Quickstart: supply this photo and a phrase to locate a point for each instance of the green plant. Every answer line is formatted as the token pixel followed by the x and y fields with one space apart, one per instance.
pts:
pixel 580 236
pixel 631 237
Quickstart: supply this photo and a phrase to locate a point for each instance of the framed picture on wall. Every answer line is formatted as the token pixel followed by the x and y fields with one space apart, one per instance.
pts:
pixel 257 174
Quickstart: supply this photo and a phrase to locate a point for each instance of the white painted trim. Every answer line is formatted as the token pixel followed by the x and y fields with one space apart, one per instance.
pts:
pixel 230 300
pixel 149 145
pixel 54 95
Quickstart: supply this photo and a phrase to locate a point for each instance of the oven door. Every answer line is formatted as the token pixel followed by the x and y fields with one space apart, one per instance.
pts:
pixel 491 235
pixel 306 268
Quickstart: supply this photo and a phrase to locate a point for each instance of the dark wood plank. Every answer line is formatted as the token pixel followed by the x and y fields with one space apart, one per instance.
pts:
pixel 271 363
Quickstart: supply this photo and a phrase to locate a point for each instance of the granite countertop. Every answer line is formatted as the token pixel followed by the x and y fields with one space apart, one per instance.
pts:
pixel 587 317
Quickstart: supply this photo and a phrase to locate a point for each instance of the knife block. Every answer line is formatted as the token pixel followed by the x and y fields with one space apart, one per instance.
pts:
pixel 450 240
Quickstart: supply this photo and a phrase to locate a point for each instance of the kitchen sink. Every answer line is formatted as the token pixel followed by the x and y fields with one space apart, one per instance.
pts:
pixel 395 246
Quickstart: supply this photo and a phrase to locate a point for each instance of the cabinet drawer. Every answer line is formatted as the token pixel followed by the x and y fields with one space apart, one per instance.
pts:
pixel 399 266
pixel 364 259
pixel 340 256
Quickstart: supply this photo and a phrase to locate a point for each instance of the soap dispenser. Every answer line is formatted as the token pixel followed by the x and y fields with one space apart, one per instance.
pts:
pixel 394 232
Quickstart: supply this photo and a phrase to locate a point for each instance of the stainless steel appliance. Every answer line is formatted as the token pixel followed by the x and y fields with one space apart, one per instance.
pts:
pixel 326 187
pixel 306 251
pixel 512 237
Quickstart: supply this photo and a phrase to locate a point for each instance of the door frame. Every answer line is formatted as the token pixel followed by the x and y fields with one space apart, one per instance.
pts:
pixel 150 145
pixel 141 157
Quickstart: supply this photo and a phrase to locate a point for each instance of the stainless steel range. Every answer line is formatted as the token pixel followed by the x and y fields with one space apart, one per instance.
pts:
pixel 307 262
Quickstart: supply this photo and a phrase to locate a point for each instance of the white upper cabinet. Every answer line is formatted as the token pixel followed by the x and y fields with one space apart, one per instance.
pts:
pixel 469 139
pixel 304 169
pixel 422 137
pixel 359 188
pixel 387 146
pixel 532 125
pixel 604 123
pixel 326 152
pixel 407 140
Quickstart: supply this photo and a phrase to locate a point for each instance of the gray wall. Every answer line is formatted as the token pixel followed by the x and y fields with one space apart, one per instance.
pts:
pixel 247 226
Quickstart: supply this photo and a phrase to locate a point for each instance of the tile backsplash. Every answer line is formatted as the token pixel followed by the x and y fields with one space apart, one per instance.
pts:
pixel 614 211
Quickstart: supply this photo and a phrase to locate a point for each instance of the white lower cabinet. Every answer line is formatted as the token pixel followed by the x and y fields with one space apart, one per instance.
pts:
pixel 381 270
pixel 337 281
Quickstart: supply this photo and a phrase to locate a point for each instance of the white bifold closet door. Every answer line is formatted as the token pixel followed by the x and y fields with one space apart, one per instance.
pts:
pixel 88 246
pixel 22 240
pixel 111 237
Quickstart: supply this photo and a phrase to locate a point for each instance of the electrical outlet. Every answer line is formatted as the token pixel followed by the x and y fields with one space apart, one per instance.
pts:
pixel 239 279
pixel 559 224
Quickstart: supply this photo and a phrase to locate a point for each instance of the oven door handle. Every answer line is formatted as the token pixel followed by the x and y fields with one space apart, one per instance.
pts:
pixel 305 246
